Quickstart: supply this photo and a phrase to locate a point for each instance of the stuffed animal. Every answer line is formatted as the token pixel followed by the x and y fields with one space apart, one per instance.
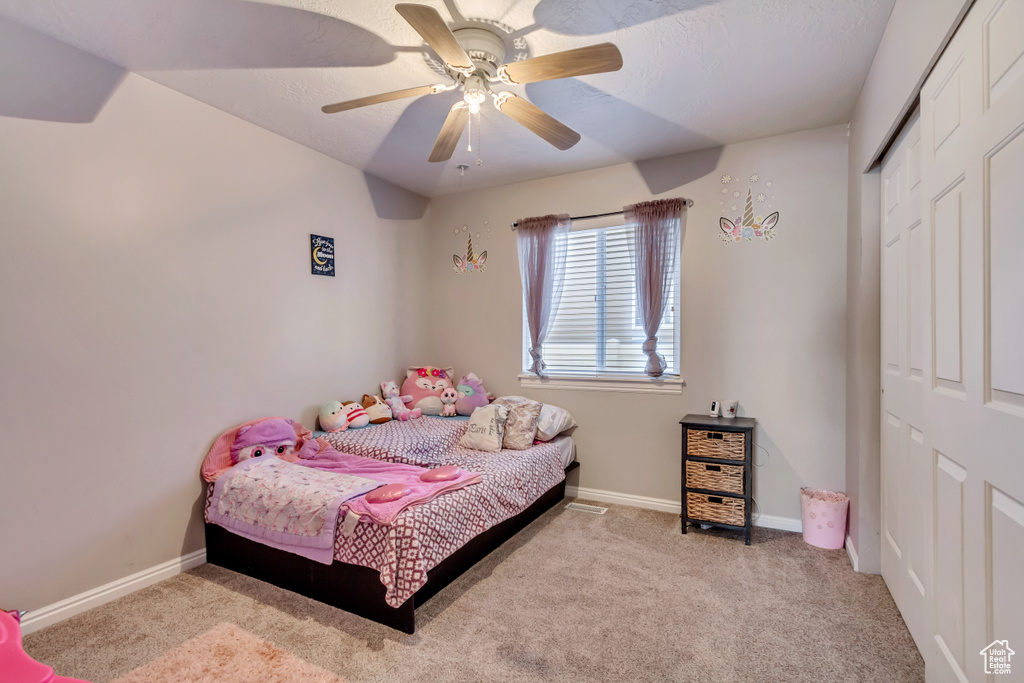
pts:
pixel 355 415
pixel 331 417
pixel 377 409
pixel 269 437
pixel 336 416
pixel 471 394
pixel 424 386
pixel 389 390
pixel 448 397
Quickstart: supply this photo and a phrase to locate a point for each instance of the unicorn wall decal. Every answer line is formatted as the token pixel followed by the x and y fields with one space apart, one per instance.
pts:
pixel 472 262
pixel 749 226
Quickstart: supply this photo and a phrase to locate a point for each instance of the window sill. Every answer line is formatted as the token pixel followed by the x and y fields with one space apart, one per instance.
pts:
pixel 631 385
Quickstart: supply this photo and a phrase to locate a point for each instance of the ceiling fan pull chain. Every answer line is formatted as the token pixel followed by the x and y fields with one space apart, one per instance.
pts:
pixel 469 136
pixel 479 148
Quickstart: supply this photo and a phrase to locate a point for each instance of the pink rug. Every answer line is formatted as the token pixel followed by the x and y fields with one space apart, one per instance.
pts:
pixel 227 654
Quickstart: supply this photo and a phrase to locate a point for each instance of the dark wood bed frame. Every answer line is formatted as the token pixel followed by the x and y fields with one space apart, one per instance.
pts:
pixel 358 589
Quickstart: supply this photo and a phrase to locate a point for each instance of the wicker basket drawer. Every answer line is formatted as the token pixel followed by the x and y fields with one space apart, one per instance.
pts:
pixel 705 443
pixel 706 475
pixel 721 509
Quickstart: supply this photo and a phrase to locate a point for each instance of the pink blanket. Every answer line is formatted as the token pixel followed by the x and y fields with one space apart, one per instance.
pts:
pixel 330 460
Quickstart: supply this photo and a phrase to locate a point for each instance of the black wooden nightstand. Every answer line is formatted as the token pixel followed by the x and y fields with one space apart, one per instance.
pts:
pixel 717 466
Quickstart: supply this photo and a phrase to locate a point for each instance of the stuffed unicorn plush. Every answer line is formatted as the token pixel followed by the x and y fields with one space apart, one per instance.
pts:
pixel 472 394
pixel 389 390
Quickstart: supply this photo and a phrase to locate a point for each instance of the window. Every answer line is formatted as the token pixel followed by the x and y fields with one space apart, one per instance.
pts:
pixel 597 330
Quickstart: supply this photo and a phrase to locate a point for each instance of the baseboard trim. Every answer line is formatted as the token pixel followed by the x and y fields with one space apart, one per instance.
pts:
pixel 781 523
pixel 673 506
pixel 614 498
pixel 851 552
pixel 58 611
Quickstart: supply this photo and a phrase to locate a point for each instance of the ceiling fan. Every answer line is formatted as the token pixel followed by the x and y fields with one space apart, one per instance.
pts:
pixel 474 59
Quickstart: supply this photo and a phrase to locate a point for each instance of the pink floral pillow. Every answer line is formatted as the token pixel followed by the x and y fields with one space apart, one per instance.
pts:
pixel 521 426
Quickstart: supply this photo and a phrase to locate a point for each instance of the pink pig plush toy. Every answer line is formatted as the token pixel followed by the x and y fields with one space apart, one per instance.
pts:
pixel 389 390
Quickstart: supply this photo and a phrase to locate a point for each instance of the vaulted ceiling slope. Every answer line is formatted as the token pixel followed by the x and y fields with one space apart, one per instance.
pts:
pixel 696 73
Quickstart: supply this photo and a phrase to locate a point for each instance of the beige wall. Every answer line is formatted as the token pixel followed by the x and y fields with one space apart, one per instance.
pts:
pixel 154 266
pixel 913 39
pixel 763 322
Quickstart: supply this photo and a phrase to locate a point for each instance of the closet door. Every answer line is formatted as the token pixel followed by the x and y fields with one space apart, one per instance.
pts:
pixel 906 320
pixel 953 357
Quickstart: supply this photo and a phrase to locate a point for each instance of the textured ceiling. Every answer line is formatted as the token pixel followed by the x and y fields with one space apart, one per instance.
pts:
pixel 696 73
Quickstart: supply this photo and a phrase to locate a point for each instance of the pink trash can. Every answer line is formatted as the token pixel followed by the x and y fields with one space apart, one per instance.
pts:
pixel 824 517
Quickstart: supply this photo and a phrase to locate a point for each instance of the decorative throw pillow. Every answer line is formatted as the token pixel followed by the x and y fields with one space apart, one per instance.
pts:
pixel 521 427
pixel 486 429
pixel 553 421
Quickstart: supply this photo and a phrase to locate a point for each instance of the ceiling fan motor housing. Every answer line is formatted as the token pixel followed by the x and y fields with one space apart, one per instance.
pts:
pixel 484 47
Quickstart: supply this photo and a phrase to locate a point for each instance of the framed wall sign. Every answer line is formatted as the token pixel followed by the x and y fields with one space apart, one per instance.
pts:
pixel 321 252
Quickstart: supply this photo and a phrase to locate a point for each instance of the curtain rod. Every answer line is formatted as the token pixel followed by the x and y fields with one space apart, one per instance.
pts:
pixel 515 224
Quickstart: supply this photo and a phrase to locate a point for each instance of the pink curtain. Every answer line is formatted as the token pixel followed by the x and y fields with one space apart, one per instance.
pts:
pixel 656 235
pixel 542 249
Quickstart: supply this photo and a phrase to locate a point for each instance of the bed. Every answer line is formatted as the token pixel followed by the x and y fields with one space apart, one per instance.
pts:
pixel 384 572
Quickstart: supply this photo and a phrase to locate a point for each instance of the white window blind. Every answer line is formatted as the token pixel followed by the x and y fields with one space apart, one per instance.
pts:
pixel 597 330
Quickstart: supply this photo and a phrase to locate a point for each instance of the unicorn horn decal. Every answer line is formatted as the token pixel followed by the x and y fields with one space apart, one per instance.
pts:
pixel 471 262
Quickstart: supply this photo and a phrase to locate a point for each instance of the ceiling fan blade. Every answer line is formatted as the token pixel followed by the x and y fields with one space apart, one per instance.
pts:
pixel 450 133
pixel 594 59
pixel 383 97
pixel 544 125
pixel 431 27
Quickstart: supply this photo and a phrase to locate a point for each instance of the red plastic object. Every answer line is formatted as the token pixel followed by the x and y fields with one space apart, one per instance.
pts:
pixel 388 493
pixel 18 667
pixel 443 473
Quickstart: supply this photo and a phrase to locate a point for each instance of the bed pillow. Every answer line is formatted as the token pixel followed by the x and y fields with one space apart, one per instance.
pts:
pixel 553 421
pixel 486 429
pixel 521 426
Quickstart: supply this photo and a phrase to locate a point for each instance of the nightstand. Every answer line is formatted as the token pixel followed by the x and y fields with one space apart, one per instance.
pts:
pixel 717 467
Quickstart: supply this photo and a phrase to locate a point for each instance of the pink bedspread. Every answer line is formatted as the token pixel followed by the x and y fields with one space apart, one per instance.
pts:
pixel 422 536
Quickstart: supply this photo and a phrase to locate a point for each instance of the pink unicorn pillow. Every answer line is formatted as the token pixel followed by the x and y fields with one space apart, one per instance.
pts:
pixel 425 384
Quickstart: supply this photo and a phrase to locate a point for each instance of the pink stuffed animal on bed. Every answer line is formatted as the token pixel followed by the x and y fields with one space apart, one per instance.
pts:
pixel 448 397
pixel 269 437
pixel 423 386
pixel 389 390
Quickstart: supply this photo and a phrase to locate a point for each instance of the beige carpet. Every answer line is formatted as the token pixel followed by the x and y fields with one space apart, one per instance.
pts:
pixel 227 654
pixel 574 597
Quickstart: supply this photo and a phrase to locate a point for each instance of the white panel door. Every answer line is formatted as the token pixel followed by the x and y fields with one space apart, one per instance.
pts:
pixel 953 354
pixel 906 349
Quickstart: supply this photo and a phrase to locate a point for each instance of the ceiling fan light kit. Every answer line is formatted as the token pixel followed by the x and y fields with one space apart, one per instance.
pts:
pixel 474 59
